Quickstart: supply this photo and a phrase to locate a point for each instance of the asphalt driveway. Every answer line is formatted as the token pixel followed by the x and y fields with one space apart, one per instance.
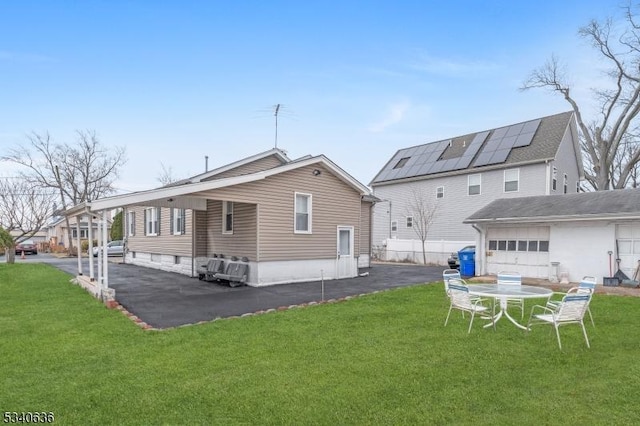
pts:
pixel 166 299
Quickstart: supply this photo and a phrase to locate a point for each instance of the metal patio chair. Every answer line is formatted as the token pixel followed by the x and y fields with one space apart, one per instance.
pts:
pixel 512 279
pixel 463 301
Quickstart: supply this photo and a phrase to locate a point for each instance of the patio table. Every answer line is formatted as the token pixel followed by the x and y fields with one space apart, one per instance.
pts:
pixel 504 292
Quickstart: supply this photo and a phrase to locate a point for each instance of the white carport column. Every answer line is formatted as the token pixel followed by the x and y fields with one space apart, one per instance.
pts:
pixel 90 252
pixel 78 244
pixel 99 263
pixel 105 256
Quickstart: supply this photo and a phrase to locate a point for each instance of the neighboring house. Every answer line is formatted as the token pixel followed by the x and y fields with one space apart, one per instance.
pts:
pixel 457 176
pixel 551 236
pixel 57 234
pixel 298 220
pixel 38 237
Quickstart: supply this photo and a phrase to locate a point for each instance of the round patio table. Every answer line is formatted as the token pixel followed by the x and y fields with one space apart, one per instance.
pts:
pixel 504 292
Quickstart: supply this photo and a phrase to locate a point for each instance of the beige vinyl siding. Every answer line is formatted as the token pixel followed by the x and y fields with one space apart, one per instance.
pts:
pixel 253 167
pixel 165 243
pixel 365 224
pixel 243 240
pixel 334 203
pixel 200 233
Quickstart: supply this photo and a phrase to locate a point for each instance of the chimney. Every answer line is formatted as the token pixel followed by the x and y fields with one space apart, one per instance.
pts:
pixel 206 163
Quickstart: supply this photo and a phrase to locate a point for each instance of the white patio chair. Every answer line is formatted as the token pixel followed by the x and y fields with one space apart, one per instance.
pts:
pixel 447 274
pixel 463 301
pixel 587 285
pixel 570 310
pixel 512 279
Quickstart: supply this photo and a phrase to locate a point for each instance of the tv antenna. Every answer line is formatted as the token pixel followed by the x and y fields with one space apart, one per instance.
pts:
pixel 276 110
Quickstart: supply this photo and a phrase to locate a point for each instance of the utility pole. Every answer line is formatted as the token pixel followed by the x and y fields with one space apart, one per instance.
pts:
pixel 275 113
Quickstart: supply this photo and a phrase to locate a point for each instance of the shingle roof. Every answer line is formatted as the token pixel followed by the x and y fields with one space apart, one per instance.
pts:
pixel 468 152
pixel 586 205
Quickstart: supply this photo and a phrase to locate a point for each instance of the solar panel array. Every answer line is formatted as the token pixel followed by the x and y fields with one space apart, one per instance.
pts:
pixel 425 159
pixel 497 148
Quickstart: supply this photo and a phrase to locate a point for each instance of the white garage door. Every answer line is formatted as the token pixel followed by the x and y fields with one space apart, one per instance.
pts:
pixel 628 238
pixel 520 249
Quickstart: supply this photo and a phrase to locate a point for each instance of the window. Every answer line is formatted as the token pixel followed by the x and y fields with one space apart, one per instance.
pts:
pixel 409 221
pixel 502 245
pixel 493 245
pixel 554 182
pixel 152 221
pixel 511 245
pixel 400 164
pixel 227 217
pixel 564 183
pixel 543 246
pixel 394 226
pixel 302 213
pixel 511 180
pixel 177 221
pixel 440 192
pixel 83 233
pixel 578 186
pixel 131 224
pixel 519 245
pixel 474 184
pixel 522 245
pixel 533 246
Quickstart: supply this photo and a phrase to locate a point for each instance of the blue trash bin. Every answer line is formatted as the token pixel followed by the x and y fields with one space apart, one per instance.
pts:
pixel 467 260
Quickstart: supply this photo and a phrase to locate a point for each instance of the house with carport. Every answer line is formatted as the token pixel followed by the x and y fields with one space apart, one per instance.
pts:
pixel 294 220
pixel 558 236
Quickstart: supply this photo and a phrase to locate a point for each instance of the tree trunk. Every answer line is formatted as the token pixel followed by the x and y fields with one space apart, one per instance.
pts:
pixel 10 255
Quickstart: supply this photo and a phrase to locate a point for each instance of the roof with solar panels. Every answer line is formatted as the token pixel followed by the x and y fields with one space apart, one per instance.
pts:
pixel 522 143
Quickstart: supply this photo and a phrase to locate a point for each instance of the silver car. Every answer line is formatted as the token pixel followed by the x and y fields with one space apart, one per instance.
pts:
pixel 114 248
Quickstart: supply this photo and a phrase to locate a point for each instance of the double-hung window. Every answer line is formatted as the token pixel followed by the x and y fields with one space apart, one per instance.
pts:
pixel 474 182
pixel 131 224
pixel 511 180
pixel 440 192
pixel 302 213
pixel 177 221
pixel 554 180
pixel 227 217
pixel 152 221
pixel 409 221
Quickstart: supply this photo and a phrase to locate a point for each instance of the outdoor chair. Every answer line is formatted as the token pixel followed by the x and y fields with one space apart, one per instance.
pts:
pixel 570 310
pixel 214 267
pixel 235 273
pixel 587 285
pixel 512 279
pixel 447 274
pixel 463 301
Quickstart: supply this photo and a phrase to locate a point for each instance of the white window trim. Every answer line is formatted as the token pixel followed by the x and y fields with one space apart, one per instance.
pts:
pixel 517 180
pixel 295 212
pixel 225 211
pixel 409 220
pixel 394 223
pixel 151 216
pixel 440 192
pixel 479 184
pixel 554 179
pixel 131 217
pixel 565 184
pixel 177 226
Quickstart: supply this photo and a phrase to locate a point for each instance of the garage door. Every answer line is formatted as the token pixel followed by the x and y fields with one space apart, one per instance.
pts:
pixel 519 249
pixel 628 238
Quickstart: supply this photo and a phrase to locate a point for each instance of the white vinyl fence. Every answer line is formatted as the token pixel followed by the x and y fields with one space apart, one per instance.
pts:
pixel 397 250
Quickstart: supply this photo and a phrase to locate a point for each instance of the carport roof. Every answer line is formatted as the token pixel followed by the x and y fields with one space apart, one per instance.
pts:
pixel 615 204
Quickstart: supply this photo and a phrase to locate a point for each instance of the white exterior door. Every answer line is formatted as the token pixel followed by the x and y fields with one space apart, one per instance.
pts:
pixel 628 246
pixel 346 262
pixel 519 249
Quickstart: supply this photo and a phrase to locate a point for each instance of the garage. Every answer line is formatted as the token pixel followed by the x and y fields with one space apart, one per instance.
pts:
pixel 628 247
pixel 582 234
pixel 522 248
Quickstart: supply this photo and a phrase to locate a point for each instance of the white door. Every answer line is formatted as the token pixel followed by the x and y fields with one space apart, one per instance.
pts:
pixel 346 263
pixel 521 249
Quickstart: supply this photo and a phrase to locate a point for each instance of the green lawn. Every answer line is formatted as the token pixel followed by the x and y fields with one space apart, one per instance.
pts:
pixel 380 359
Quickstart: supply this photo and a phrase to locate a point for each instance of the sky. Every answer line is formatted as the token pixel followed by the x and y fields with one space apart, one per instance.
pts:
pixel 175 81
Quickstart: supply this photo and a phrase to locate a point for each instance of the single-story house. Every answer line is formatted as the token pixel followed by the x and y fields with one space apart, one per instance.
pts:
pixel 295 220
pixel 552 236
pixel 56 230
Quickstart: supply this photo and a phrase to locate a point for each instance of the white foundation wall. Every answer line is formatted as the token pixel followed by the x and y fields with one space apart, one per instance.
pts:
pixel 289 271
pixel 581 248
pixel 164 262
pixel 398 250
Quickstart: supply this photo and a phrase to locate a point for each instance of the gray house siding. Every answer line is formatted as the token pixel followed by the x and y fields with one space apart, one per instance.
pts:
pixel 164 242
pixel 565 164
pixel 454 206
pixel 242 242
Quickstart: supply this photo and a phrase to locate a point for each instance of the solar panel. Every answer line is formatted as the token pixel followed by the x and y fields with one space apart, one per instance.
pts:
pixel 507 142
pixel 483 158
pixel 499 133
pixel 523 140
pixel 449 164
pixel 463 162
pixel 499 156
pixel 530 126
pixel 515 130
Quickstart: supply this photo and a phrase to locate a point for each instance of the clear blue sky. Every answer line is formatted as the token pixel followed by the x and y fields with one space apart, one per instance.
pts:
pixel 174 81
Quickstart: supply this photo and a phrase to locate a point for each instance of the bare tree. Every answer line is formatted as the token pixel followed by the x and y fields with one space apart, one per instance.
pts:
pixel 615 124
pixel 24 209
pixel 79 172
pixel 166 175
pixel 423 213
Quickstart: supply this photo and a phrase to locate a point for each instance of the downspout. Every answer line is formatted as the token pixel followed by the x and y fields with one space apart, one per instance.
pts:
pixel 480 251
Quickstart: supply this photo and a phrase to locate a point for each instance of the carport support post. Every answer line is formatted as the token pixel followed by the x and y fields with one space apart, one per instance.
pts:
pixel 78 245
pixel 90 251
pixel 105 257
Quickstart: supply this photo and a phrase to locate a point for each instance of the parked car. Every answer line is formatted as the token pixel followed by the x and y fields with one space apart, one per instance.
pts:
pixel 26 246
pixel 453 261
pixel 114 248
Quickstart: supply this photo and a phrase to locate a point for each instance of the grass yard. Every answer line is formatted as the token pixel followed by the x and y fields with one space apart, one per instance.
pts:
pixel 379 359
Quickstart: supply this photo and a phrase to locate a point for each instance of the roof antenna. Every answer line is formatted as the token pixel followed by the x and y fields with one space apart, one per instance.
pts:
pixel 275 113
pixel 206 163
